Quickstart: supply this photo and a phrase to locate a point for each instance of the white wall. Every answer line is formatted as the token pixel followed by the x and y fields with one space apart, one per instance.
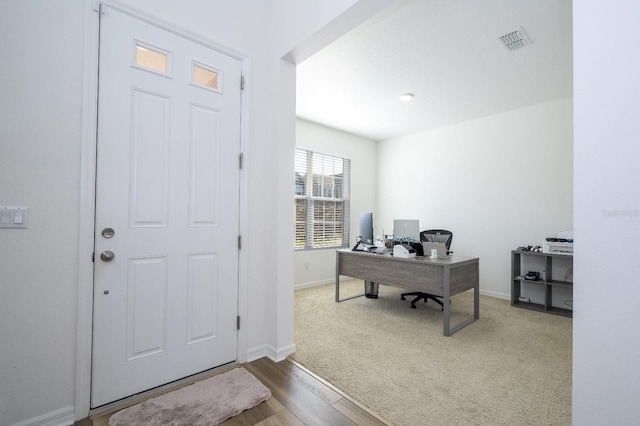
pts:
pixel 41 132
pixel 606 347
pixel 318 266
pixel 497 183
pixel 302 27
pixel 41 44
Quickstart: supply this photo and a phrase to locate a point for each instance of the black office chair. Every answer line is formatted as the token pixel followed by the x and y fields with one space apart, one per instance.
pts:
pixel 431 236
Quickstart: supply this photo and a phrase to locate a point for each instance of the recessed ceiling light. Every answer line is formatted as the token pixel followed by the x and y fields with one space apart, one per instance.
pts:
pixel 406 97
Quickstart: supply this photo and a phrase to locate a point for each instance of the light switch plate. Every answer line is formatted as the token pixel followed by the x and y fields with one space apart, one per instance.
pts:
pixel 14 217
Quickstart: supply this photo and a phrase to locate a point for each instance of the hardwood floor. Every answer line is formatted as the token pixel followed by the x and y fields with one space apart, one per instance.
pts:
pixel 298 397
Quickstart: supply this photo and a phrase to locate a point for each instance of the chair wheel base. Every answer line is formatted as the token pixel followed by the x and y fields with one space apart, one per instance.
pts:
pixel 422 296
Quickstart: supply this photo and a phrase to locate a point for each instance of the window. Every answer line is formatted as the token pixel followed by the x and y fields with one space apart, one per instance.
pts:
pixel 322 200
pixel 146 56
pixel 204 76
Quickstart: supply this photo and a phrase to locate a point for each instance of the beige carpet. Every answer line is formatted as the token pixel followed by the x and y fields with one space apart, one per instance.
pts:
pixel 512 367
pixel 208 402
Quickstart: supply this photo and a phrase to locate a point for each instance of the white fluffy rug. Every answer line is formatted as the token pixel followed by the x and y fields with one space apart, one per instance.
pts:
pixel 208 402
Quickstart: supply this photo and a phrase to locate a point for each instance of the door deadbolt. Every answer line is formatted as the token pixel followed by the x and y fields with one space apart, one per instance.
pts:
pixel 107 256
pixel 108 232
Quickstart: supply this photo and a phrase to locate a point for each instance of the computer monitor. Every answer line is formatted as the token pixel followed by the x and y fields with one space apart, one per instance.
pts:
pixel 406 229
pixel 366 228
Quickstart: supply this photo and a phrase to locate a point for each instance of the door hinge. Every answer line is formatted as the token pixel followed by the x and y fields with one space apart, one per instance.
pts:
pixel 238 322
pixel 239 242
pixel 93 257
pixel 242 82
pixel 241 160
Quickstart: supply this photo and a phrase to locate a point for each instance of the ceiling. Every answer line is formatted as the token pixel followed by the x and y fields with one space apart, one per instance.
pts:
pixel 449 54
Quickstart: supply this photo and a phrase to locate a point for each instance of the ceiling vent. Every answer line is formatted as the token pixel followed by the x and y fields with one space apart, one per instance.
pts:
pixel 516 39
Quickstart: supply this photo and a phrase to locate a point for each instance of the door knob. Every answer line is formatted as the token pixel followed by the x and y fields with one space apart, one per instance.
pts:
pixel 108 232
pixel 107 256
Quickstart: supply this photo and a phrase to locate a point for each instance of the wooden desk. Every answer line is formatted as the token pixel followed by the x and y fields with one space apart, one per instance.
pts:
pixel 440 277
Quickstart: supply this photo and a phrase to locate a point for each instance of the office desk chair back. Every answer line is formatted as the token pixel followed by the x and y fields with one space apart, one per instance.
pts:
pixel 431 236
pixel 437 236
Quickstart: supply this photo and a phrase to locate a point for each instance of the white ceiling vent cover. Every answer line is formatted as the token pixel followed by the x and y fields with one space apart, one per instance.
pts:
pixel 515 39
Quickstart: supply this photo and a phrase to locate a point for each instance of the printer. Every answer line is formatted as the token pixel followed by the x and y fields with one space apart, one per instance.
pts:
pixel 562 243
pixel 404 251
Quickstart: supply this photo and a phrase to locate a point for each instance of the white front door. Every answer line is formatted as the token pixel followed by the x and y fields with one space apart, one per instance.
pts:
pixel 167 208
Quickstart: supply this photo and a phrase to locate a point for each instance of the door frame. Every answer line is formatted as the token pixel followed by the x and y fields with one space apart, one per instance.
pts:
pixel 84 331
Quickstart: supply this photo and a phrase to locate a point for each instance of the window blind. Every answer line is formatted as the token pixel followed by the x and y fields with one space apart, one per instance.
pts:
pixel 322 185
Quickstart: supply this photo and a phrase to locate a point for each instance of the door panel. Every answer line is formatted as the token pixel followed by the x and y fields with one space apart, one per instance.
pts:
pixel 201 321
pixel 146 306
pixel 204 200
pixel 149 163
pixel 167 182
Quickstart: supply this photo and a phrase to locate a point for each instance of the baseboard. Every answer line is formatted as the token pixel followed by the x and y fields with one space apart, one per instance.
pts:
pixel 495 294
pixel 322 282
pixel 269 351
pixel 285 352
pixel 313 284
pixel 62 417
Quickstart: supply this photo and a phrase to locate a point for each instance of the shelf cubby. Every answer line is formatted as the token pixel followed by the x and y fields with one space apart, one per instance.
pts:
pixel 555 272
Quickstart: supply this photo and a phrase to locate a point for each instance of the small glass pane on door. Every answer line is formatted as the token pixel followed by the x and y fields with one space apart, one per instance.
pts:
pixel 205 76
pixel 152 59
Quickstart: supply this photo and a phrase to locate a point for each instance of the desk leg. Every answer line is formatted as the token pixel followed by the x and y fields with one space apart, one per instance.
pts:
pixel 476 294
pixel 446 300
pixel 337 277
pixel 448 331
pixel 338 282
